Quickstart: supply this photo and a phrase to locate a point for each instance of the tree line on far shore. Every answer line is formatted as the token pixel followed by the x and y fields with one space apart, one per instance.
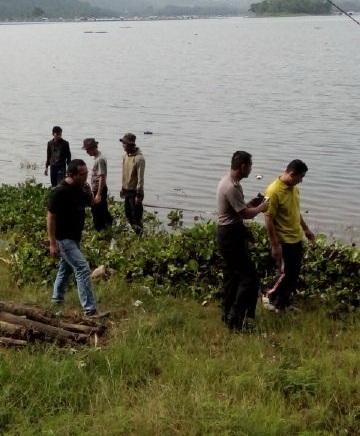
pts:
pixel 32 9
pixel 28 10
pixel 283 7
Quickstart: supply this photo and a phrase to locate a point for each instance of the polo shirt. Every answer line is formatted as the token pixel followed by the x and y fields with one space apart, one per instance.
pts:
pixel 284 208
pixel 99 169
pixel 68 203
pixel 230 201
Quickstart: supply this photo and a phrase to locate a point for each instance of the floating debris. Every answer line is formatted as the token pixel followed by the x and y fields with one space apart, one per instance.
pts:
pixel 259 176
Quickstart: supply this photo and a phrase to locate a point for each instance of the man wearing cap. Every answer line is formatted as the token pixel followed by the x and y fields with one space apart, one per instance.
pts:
pixel 57 157
pixel 100 212
pixel 132 190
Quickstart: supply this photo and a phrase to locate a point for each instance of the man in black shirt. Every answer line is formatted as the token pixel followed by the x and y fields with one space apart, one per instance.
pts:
pixel 57 156
pixel 65 223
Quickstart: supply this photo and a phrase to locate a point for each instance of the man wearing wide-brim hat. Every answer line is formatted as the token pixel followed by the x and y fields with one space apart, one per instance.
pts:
pixel 133 169
pixel 100 212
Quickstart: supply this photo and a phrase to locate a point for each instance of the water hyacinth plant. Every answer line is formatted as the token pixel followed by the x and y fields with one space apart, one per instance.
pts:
pixel 183 261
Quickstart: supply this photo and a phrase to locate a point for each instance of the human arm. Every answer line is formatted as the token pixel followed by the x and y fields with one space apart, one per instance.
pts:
pixel 256 200
pixel 276 251
pixel 47 162
pixel 68 154
pixel 102 183
pixel 140 181
pixel 250 212
pixel 308 233
pixel 89 197
pixel 51 229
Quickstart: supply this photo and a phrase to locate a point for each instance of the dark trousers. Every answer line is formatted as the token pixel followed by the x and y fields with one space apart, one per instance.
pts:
pixel 100 212
pixel 57 174
pixel 134 212
pixel 292 257
pixel 241 283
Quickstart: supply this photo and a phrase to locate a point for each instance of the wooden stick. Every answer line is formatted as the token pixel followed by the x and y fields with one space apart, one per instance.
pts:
pixel 11 341
pixel 22 310
pixel 47 330
pixel 12 329
pixel 79 328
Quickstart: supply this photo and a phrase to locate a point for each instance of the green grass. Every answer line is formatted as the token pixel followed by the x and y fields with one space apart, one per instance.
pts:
pixel 170 367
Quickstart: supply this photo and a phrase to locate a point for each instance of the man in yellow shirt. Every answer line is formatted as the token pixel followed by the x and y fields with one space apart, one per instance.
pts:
pixel 286 228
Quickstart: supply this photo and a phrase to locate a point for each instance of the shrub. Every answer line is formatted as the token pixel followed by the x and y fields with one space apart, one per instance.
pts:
pixel 184 261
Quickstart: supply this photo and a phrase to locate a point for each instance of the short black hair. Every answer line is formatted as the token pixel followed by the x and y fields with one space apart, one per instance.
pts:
pixel 240 158
pixel 297 167
pixel 56 129
pixel 73 167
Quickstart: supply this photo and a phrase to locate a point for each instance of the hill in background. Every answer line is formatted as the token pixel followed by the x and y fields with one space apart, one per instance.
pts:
pixel 168 7
pixel 70 9
pixel 236 7
pixel 32 9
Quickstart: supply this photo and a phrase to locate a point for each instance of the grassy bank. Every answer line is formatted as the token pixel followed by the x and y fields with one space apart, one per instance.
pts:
pixel 169 367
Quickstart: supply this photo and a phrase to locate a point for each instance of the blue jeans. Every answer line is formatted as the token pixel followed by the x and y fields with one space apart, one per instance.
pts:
pixel 57 174
pixel 72 260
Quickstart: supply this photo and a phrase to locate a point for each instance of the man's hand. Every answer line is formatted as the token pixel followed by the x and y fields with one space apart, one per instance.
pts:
pixel 276 253
pixel 54 249
pixel 256 201
pixel 310 235
pixel 138 200
pixel 263 206
pixel 46 172
pixel 97 199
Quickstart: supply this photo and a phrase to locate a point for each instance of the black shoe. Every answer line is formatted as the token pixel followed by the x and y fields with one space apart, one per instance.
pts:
pixel 234 323
pixel 96 315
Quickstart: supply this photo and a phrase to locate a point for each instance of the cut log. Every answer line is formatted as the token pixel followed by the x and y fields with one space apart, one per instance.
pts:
pixel 12 329
pixel 45 329
pixel 11 341
pixel 79 328
pixel 22 310
pixel 36 315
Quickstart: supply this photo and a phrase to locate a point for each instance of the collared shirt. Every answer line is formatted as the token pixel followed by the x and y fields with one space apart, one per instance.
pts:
pixel 68 203
pixel 133 170
pixel 99 169
pixel 230 201
pixel 58 152
pixel 284 208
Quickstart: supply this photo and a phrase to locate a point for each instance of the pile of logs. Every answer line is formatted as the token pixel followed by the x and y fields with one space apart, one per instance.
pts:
pixel 21 325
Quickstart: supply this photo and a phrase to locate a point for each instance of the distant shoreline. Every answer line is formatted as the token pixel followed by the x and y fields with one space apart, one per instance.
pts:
pixel 120 19
pixel 159 18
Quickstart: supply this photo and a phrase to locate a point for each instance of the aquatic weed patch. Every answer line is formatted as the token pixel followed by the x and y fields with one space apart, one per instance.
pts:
pixel 181 262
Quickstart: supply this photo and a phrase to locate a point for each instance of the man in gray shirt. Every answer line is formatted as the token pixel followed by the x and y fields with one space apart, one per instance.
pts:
pixel 241 283
pixel 100 212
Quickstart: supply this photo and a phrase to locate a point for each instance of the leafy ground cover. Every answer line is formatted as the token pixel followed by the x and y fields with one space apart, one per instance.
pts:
pixel 168 365
pixel 182 262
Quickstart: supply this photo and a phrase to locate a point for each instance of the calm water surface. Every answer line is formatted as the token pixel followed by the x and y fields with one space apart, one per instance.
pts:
pixel 280 88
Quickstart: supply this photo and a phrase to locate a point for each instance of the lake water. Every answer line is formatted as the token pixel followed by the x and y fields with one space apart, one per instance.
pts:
pixel 280 88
